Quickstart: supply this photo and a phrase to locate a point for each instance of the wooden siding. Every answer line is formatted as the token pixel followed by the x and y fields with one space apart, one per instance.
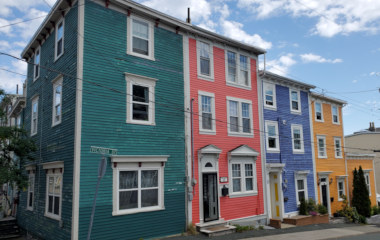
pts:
pixel 54 143
pixel 104 124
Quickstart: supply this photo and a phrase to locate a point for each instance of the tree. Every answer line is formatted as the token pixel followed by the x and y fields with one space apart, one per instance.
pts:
pixel 360 198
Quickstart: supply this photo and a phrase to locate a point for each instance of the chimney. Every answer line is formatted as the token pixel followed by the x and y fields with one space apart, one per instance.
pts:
pixel 188 19
pixel 371 126
pixel 17 89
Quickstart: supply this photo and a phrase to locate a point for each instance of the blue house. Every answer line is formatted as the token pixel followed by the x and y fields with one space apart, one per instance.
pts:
pixel 288 144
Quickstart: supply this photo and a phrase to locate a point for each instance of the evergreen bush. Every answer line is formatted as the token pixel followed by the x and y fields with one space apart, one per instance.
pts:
pixel 303 207
pixel 360 198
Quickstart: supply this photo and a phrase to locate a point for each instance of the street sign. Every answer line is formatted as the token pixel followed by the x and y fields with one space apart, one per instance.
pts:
pixel 102 150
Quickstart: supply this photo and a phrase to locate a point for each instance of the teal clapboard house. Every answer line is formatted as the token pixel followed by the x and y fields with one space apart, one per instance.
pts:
pixel 105 79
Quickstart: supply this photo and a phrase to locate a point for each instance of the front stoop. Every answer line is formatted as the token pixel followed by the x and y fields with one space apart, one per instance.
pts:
pixel 9 228
pixel 215 228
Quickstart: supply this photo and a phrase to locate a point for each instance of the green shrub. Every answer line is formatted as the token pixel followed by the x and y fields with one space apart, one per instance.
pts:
pixel 362 219
pixel 349 212
pixel 375 210
pixel 311 206
pixel 303 207
pixel 360 195
pixel 191 230
pixel 241 229
pixel 321 209
pixel 261 227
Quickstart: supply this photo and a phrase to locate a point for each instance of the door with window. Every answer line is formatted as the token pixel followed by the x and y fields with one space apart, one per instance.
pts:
pixel 210 197
pixel 324 192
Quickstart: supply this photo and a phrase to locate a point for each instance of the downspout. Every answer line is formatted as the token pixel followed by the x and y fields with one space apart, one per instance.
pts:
pixel 192 145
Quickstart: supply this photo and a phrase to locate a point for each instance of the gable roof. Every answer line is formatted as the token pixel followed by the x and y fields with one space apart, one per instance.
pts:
pixel 284 80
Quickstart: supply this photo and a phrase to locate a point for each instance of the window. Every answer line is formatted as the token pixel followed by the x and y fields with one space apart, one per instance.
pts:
pixel 59 34
pixel 239 117
pixel 338 147
pixel 237 68
pixel 54 173
pixel 34 117
pixel 30 201
pixel 367 182
pixel 297 137
pixel 335 115
pixel 321 146
pixel 243 175
pixel 140 38
pixel 341 189
pixel 301 189
pixel 269 95
pixel 205 61
pixel 140 99
pixel 37 58
pixel 318 112
pixel 206 112
pixel 138 184
pixel 295 103
pixel 272 137
pixel 57 101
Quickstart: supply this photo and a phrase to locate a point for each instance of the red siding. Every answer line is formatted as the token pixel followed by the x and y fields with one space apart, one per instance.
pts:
pixel 238 207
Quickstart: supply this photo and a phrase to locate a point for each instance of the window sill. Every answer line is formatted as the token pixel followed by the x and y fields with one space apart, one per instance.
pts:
pixel 35 79
pixel 33 134
pixel 295 112
pixel 273 150
pixel 206 132
pixel 140 122
pixel 149 57
pixel 322 157
pixel 52 216
pixel 340 200
pixel 207 78
pixel 319 120
pixel 298 152
pixel 245 194
pixel 338 157
pixel 57 57
pixel 29 209
pixel 56 124
pixel 270 108
pixel 238 85
pixel 238 134
pixel 134 211
pixel 338 123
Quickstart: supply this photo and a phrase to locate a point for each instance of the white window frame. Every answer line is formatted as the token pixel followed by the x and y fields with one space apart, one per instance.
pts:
pixel 291 100
pixel 138 163
pixel 320 137
pixel 213 125
pixel 32 178
pixel 340 147
pixel 299 127
pixel 367 181
pixel 37 66
pixel 33 130
pixel 211 54
pixel 56 56
pixel 304 178
pixel 240 133
pixel 143 81
pixel 238 80
pixel 266 85
pixel 315 108
pixel 150 55
pixel 53 169
pixel 341 180
pixel 337 114
pixel 242 161
pixel 56 83
pixel 275 124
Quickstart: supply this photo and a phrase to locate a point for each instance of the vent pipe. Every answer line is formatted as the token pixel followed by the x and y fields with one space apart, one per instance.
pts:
pixel 188 19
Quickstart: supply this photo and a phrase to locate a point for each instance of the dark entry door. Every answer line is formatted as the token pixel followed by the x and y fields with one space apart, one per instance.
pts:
pixel 324 192
pixel 210 197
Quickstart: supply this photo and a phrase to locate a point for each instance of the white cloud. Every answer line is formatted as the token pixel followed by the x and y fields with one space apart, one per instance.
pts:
pixel 281 65
pixel 333 16
pixel 354 81
pixel 374 74
pixel 310 57
pixel 235 30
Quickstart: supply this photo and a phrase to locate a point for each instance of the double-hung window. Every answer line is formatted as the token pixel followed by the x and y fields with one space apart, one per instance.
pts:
pixel 59 36
pixel 54 174
pixel 367 182
pixel 206 112
pixel 318 112
pixel 138 184
pixel 269 95
pixel 295 102
pixel 338 147
pixel 37 59
pixel 140 37
pixel 243 176
pixel 205 61
pixel 321 140
pixel 237 68
pixel 34 118
pixel 140 99
pixel 30 200
pixel 239 113
pixel 297 138
pixel 231 60
pixel 335 114
pixel 301 188
pixel 57 101
pixel 341 189
pixel 272 136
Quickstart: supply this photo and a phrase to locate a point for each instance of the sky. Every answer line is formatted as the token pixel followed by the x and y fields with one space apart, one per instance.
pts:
pixel 332 44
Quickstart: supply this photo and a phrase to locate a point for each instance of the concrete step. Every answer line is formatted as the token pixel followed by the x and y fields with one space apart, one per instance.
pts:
pixel 218 230
pixel 220 222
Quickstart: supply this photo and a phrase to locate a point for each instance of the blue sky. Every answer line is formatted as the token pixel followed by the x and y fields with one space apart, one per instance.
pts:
pixel 333 44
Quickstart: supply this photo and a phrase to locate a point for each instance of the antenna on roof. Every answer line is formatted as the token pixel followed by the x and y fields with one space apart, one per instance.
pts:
pixel 188 19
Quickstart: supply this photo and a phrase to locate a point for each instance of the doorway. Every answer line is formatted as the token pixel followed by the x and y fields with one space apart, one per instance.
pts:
pixel 275 188
pixel 210 197
pixel 324 192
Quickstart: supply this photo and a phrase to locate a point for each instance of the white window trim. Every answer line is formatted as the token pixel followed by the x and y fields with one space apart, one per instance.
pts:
pixel 31 174
pixel 315 115
pixel 211 53
pixel 249 87
pixel 304 178
pixel 340 145
pixel 332 114
pixel 275 124
pixel 242 162
pixel 344 189
pixel 240 117
pixel 56 57
pixel 53 169
pixel 151 38
pixel 274 107
pixel 126 163
pixel 57 82
pixel 212 96
pixel 32 130
pixel 299 111
pixel 300 127
pixel 367 173
pixel 324 141
pixel 38 49
pixel 150 83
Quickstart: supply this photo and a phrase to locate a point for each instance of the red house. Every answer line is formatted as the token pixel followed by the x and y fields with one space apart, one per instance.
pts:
pixel 225 170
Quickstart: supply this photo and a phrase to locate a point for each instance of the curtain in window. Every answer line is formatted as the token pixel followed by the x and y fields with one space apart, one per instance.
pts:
pixel 140 33
pixel 128 186
pixel 248 177
pixel 149 188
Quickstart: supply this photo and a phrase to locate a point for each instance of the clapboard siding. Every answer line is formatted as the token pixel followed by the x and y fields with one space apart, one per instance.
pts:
pixel 54 143
pixel 104 124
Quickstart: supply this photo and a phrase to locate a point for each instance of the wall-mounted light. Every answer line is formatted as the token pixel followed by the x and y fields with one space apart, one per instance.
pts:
pixel 331 180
